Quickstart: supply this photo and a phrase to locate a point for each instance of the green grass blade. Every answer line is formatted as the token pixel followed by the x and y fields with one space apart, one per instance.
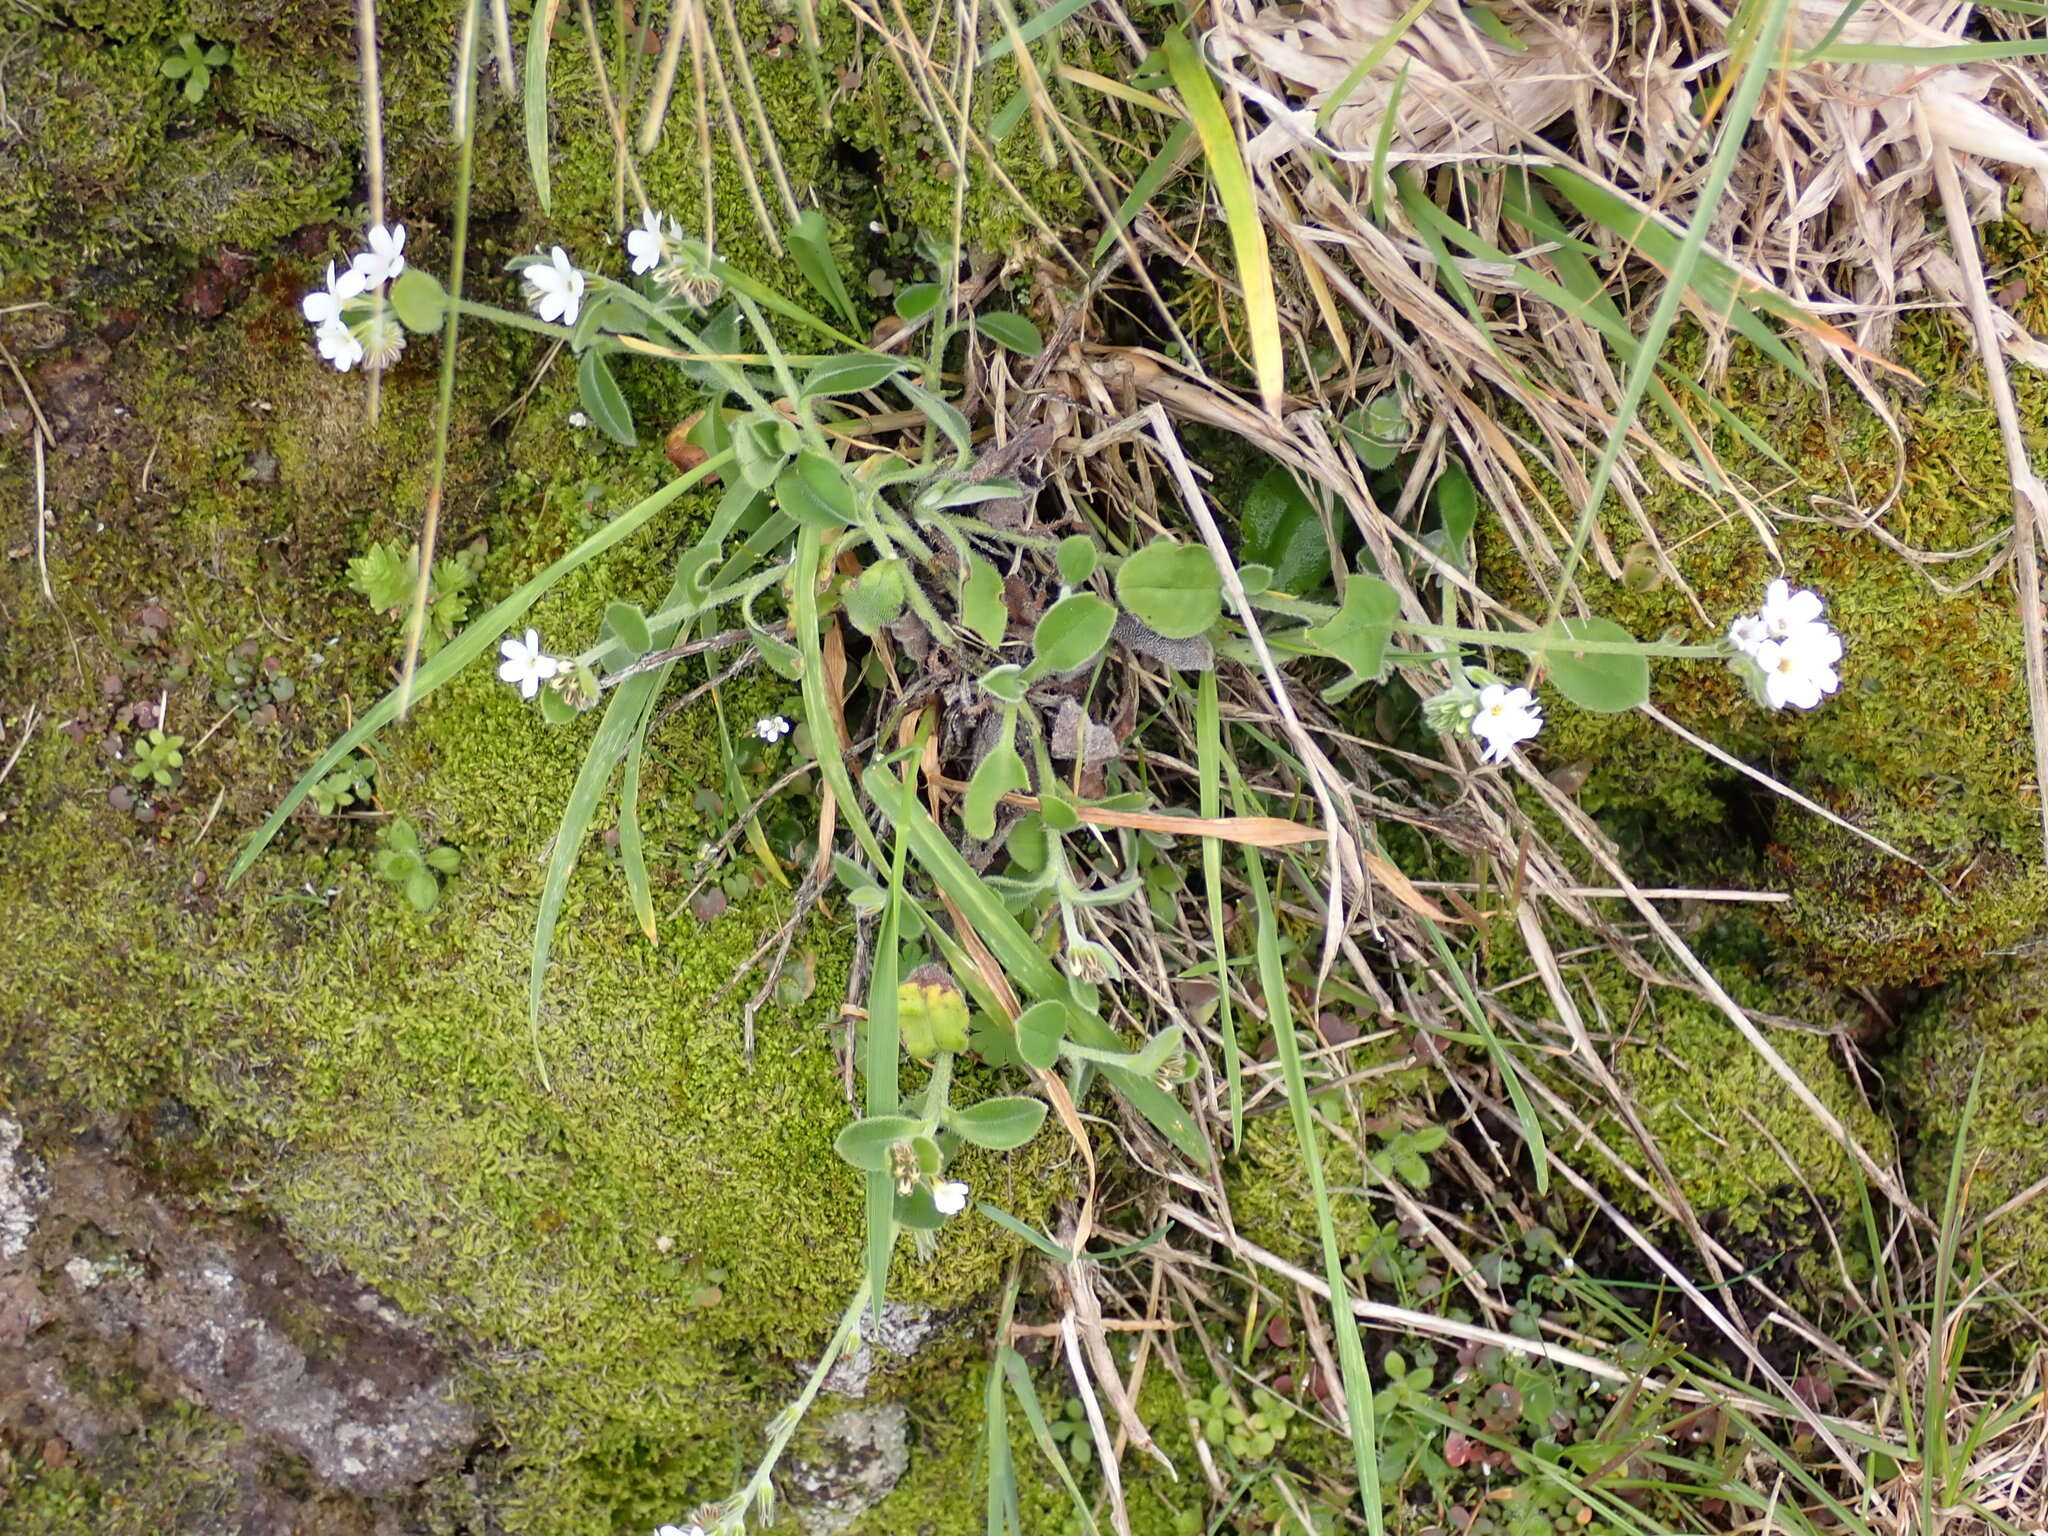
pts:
pixel 1022 1388
pixel 1240 213
pixel 883 1095
pixel 618 735
pixel 1031 31
pixel 1149 181
pixel 1358 1402
pixel 538 36
pixel 1025 1230
pixel 1209 764
pixel 1369 61
pixel 632 851
pixel 1934 57
pixel 1510 1074
pixel 1756 71
pixel 474 640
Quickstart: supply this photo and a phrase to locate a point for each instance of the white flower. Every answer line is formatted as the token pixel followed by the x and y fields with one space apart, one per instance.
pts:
pixel 554 287
pixel 1748 632
pixel 771 728
pixel 1785 610
pixel 680 1530
pixel 1800 668
pixel 578 420
pixel 1506 716
pixel 526 665
pixel 950 1197
pixel 649 244
pixel 385 258
pixel 338 344
pixel 323 305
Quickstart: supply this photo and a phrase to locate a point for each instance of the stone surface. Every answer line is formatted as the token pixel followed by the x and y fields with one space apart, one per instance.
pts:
pixel 856 1458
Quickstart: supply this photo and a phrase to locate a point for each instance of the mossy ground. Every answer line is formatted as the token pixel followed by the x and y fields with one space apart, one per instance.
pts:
pixel 637 1260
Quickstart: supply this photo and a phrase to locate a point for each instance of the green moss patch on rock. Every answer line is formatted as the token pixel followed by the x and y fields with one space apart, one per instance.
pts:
pixel 1990 1032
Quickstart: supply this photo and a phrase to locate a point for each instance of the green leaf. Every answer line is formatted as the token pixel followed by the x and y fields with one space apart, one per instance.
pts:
pixel 601 397
pixel 849 375
pixel 998 774
pixel 627 624
pixel 878 596
pixel 1603 682
pixel 177 66
pixel 810 247
pixel 1173 588
pixel 941 414
pixel 982 608
pixel 1378 430
pixel 1000 1125
pixel 918 300
pixel 402 836
pixel 445 859
pixel 757 447
pixel 1005 683
pixel 1040 1029
pixel 1011 330
pixel 419 300
pixel 1072 633
pixel 538 36
pixel 422 890
pixel 968 493
pixel 1280 527
pixel 1357 636
pixel 1457 505
pixel 554 709
pixel 866 1143
pixel 1076 557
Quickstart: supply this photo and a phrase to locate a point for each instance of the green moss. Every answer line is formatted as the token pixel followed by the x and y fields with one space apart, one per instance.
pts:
pixel 1986 1032
pixel 1750 1157
pixel 1927 742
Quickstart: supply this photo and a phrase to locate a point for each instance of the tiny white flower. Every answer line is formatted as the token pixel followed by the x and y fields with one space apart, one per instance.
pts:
pixel 1800 669
pixel 1748 632
pixel 771 728
pixel 578 420
pixel 1506 716
pixel 385 258
pixel 680 1530
pixel 554 287
pixel 950 1197
pixel 526 666
pixel 338 344
pixel 649 244
pixel 1785 610
pixel 323 305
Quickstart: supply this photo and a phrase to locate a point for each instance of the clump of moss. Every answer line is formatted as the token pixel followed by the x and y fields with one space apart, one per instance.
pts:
pixel 1927 741
pixel 1989 1031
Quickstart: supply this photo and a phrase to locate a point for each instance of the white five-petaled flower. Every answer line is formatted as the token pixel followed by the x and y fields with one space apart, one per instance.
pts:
pixel 1800 668
pixel 385 258
pixel 526 666
pixel 1748 632
pixel 338 344
pixel 649 244
pixel 1506 716
pixel 555 287
pixel 1785 610
pixel 1786 649
pixel 680 1530
pixel 950 1197
pixel 324 305
pixel 771 728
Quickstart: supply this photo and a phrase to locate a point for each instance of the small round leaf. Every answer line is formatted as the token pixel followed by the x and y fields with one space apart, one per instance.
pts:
pixel 1173 588
pixel 1072 633
pixel 1603 682
pixel 866 1143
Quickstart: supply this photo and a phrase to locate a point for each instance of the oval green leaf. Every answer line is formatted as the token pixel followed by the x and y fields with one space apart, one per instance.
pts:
pixel 1173 588
pixel 1076 557
pixel 866 1143
pixel 916 301
pixel 628 625
pixel 1000 1125
pixel 1604 682
pixel 419 299
pixel 1072 633
pixel 603 399
pixel 849 375
pixel 1040 1029
pixel 1010 330
pixel 1280 527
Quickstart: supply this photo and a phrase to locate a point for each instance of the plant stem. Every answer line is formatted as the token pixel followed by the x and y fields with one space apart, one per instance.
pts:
pixel 787 1421
pixel 1534 641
